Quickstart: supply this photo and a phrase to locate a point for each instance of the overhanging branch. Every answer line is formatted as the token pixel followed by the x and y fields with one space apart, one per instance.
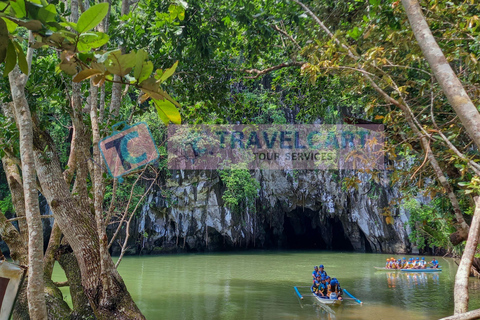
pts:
pixel 259 73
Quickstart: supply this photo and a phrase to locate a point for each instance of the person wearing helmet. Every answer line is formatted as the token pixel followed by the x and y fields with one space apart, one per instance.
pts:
pixel 418 264
pixel 387 264
pixel 409 263
pixel 398 265
pixel 315 273
pixel 321 271
pixel 323 288
pixel 316 284
pixel 423 263
pixel 334 289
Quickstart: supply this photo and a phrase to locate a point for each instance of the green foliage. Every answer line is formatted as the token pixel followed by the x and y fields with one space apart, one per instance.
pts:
pixel 78 43
pixel 431 224
pixel 241 189
pixel 6 205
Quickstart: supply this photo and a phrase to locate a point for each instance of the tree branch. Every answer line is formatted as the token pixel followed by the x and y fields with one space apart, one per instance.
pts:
pixel 267 70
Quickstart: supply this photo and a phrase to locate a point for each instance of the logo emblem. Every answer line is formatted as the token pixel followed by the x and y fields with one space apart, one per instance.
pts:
pixel 127 150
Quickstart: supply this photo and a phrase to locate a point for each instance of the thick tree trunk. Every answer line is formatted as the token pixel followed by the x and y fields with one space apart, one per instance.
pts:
pixel 35 288
pixel 475 314
pixel 68 262
pixel 80 231
pixel 461 279
pixel 448 80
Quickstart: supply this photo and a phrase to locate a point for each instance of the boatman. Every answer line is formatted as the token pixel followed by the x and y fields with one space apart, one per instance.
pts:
pixel 434 263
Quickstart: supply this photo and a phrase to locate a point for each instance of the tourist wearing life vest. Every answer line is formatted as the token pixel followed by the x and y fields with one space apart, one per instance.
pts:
pixel 315 273
pixel 334 290
pixel 423 263
pixel 323 287
pixel 387 264
pixel 322 272
pixel 316 285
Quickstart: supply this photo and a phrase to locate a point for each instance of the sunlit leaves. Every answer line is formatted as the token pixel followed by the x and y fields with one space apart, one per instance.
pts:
pixel 168 72
pixel 91 40
pixel 176 12
pixel 143 68
pixel 86 74
pixel 92 17
pixel 11 26
pixel 120 64
pixel 19 7
pixel 167 111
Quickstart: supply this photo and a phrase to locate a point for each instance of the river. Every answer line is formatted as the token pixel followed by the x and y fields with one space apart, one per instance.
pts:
pixel 259 285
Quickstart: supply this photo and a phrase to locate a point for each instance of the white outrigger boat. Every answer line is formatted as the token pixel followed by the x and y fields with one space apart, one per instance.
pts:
pixel 327 300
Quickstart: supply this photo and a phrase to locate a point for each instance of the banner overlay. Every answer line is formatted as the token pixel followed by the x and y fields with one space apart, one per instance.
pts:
pixel 272 147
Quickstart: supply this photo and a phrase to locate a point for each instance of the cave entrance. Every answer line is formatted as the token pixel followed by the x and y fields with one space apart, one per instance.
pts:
pixel 368 247
pixel 340 241
pixel 302 230
pixel 299 231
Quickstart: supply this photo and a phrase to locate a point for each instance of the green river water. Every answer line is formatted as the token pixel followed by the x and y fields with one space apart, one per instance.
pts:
pixel 259 285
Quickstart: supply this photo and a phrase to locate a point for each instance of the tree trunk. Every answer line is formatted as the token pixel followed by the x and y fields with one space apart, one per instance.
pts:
pixel 15 185
pixel 69 264
pixel 79 229
pixel 35 288
pixel 53 244
pixel 448 80
pixel 461 279
pixel 475 314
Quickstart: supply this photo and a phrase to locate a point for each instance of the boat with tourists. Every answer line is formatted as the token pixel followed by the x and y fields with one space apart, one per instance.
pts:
pixel 411 265
pixel 325 290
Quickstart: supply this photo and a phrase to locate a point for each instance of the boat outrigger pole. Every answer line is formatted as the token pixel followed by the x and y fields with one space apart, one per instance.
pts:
pixel 351 296
pixel 298 293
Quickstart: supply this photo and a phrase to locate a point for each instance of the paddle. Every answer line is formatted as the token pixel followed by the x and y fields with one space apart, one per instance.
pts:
pixel 351 296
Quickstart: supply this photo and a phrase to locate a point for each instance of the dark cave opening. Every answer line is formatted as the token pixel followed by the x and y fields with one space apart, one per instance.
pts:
pixel 368 247
pixel 302 229
pixel 340 241
pixel 299 233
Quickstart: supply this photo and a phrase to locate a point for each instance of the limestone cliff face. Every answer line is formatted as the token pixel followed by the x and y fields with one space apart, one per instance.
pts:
pixel 303 209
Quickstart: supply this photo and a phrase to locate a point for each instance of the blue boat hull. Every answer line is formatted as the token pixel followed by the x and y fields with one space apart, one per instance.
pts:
pixel 422 270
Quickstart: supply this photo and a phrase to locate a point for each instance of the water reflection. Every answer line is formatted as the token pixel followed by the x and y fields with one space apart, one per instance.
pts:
pixel 410 280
